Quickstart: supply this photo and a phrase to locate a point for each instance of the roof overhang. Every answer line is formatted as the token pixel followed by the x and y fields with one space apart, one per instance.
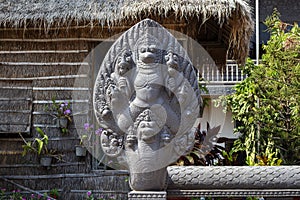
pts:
pixel 222 27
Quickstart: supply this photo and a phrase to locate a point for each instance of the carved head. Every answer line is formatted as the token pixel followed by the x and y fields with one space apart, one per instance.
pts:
pixel 148 50
pixel 124 62
pixel 147 125
pixel 172 60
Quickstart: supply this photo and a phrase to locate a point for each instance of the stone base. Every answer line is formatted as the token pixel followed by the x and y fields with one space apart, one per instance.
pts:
pixel 147 195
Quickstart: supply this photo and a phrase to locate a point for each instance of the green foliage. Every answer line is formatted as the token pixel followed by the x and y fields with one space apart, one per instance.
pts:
pixel 2 193
pixel 204 90
pixel 230 156
pixel 206 150
pixel 61 110
pixel 54 193
pixel 269 157
pixel 267 102
pixel 38 145
pixel 17 195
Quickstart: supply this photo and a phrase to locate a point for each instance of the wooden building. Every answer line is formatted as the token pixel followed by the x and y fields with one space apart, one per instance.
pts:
pixel 43 45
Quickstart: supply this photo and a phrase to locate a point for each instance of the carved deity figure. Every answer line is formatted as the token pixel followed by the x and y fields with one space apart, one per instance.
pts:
pixel 150 81
pixel 173 66
pixel 148 98
pixel 122 73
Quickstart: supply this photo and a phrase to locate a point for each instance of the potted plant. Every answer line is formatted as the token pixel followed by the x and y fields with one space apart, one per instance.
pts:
pixel 62 114
pixel 38 145
pixel 84 138
pixel 80 149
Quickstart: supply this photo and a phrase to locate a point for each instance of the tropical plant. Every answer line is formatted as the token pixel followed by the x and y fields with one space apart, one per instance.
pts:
pixel 61 112
pixel 38 145
pixel 54 193
pixel 207 149
pixel 204 90
pixel 16 194
pixel 89 195
pixel 84 138
pixel 267 103
pixel 230 157
pixel 88 133
pixel 61 109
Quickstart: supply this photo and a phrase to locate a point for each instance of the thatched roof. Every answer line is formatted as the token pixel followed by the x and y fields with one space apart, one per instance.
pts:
pixel 63 13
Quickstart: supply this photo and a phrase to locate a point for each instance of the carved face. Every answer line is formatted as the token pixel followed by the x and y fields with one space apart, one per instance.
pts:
pixel 148 54
pixel 172 63
pixel 171 60
pixel 148 125
pixel 124 63
pixel 147 129
pixel 122 69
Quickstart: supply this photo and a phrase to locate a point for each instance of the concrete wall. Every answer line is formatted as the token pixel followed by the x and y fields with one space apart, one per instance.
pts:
pixel 215 116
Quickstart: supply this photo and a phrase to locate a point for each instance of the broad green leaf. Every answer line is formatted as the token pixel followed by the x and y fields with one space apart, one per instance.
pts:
pixel 39 145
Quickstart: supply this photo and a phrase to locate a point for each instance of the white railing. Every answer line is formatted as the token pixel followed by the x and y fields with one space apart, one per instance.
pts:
pixel 229 74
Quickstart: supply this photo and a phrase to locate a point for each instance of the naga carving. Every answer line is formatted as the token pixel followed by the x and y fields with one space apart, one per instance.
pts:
pixel 146 98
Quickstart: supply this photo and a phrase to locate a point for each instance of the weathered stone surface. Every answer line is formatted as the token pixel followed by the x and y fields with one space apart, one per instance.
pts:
pixel 147 195
pixel 146 97
pixel 227 177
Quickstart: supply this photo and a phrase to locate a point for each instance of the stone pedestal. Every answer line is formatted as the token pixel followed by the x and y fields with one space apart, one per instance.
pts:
pixel 147 195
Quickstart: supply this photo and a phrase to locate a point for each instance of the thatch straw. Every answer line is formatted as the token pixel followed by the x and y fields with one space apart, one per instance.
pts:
pixel 65 13
pixel 109 12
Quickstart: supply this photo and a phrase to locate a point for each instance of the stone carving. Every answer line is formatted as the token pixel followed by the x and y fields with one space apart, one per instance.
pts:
pixel 147 195
pixel 234 181
pixel 147 99
pixel 238 177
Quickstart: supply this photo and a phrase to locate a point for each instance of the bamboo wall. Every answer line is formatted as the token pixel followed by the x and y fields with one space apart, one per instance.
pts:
pixel 34 67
